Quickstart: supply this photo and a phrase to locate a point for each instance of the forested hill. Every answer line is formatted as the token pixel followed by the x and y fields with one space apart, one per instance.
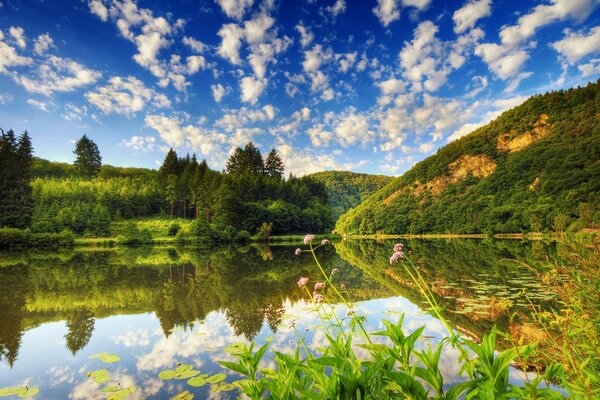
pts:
pixel 347 189
pixel 534 168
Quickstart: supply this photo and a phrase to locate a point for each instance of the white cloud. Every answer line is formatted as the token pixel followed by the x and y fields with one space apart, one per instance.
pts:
pixel 467 16
pixel 195 64
pixel 39 104
pixel 255 30
pixel 502 61
pixel 418 4
pixel 346 61
pixel 315 57
pixel 516 81
pixel 218 91
pixel 391 86
pixel 235 119
pixel 18 35
pixel 305 161
pixel 74 113
pixel 231 41
pixel 306 36
pixel 58 75
pixel 126 96
pixel 194 44
pixel 42 44
pixel 5 98
pixel 544 14
pixel 319 137
pixel 353 129
pixel 575 46
pixel 387 11
pixel 463 131
pixel 145 144
pixel 98 8
pixel 175 134
pixel 10 58
pixel 235 8
pixel 251 89
pixel 337 8
pixel 591 68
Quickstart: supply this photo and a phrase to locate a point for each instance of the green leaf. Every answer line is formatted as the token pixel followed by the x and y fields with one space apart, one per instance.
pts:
pixel 28 392
pixel 9 391
pixel 185 395
pixel 99 376
pixel 235 348
pixel 197 381
pixel 123 393
pixel 216 378
pixel 110 389
pixel 167 374
pixel 106 357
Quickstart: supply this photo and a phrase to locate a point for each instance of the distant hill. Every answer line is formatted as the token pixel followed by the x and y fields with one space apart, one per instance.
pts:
pixel 536 167
pixel 42 168
pixel 347 189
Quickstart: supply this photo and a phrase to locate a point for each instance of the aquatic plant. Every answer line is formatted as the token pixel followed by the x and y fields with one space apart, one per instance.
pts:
pixel 403 367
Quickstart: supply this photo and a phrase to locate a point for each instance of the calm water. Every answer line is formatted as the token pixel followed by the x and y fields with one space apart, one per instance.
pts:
pixel 157 306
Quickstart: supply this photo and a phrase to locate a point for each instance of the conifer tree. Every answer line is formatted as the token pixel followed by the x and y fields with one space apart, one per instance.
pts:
pixel 88 160
pixel 274 167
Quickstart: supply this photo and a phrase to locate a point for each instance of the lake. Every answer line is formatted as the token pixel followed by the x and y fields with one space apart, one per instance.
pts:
pixel 157 306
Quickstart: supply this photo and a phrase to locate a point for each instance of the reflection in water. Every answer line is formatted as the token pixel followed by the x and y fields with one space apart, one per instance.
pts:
pixel 156 306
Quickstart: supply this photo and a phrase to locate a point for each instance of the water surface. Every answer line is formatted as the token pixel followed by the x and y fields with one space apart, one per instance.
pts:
pixel 156 306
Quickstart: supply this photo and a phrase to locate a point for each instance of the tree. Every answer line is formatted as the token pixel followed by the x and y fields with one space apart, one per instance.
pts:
pixel 246 161
pixel 274 165
pixel 88 160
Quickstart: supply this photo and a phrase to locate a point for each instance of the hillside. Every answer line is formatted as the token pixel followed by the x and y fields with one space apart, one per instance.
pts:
pixel 535 168
pixel 347 189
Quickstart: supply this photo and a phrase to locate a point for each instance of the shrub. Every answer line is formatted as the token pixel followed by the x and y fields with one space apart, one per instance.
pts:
pixel 173 230
pixel 134 235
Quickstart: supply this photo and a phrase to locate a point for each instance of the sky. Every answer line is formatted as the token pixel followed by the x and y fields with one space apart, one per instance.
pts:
pixel 364 85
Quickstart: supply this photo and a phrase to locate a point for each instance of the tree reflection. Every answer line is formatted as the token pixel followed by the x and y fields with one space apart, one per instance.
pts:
pixel 81 326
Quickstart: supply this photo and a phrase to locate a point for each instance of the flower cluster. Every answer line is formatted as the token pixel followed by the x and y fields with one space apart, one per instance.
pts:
pixel 335 271
pixel 324 242
pixel 302 282
pixel 398 253
pixel 309 238
pixel 319 286
pixel 317 298
pixel 298 251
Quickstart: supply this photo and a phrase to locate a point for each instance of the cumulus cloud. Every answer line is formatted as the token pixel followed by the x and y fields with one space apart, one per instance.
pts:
pixel 577 45
pixel 387 11
pixel 126 96
pixel 590 69
pixel 145 144
pixel 231 41
pixel 251 89
pixel 305 161
pixel 235 119
pixel 353 129
pixel 218 91
pixel 506 59
pixel 306 36
pixel 235 8
pixel 39 104
pixel 337 8
pixel 42 43
pixel 58 74
pixel 194 44
pixel 98 8
pixel 9 56
pixel 5 98
pixel 467 16
pixel 319 137
pixel 18 35
pixel 175 133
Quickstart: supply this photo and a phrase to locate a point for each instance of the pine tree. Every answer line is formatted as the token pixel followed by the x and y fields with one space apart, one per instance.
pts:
pixel 274 167
pixel 234 163
pixel 168 178
pixel 88 160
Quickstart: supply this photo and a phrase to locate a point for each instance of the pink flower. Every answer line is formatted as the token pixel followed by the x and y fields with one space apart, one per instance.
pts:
pixel 309 238
pixel 398 247
pixel 319 286
pixel 302 282
pixel 317 298
pixel 335 271
pixel 298 251
pixel 324 242
pixel 396 256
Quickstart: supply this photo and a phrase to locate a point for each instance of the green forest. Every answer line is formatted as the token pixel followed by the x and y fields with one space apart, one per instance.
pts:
pixel 536 168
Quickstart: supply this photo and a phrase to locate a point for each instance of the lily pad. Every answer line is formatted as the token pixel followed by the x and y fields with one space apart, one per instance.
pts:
pixel 197 381
pixel 111 389
pixel 234 348
pixel 28 392
pixel 167 374
pixel 123 393
pixel 9 391
pixel 224 387
pixel 183 371
pixel 216 378
pixel 186 395
pixel 99 376
pixel 106 357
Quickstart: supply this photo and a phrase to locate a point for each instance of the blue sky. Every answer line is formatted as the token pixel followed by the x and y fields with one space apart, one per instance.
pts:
pixel 364 85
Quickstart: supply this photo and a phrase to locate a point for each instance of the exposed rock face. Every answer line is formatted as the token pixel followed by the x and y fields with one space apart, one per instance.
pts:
pixel 480 166
pixel 509 142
